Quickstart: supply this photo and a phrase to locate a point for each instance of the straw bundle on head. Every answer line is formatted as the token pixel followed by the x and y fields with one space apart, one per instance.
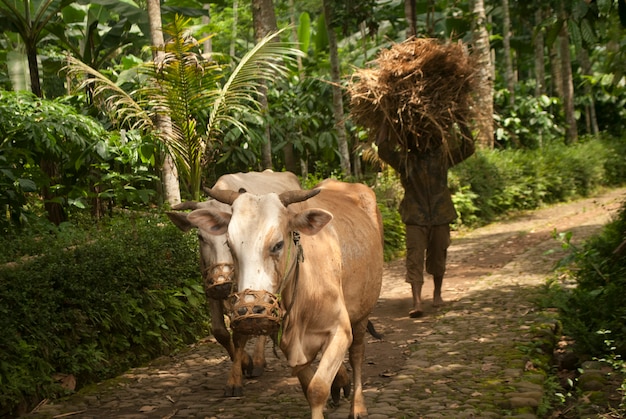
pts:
pixel 420 89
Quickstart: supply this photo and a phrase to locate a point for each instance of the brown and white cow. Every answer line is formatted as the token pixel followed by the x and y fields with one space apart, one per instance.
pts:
pixel 309 264
pixel 218 273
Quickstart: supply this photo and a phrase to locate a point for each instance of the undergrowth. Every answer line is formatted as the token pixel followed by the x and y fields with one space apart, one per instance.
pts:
pixel 89 302
pixel 588 291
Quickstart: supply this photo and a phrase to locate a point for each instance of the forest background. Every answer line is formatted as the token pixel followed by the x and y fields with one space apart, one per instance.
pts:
pixel 106 120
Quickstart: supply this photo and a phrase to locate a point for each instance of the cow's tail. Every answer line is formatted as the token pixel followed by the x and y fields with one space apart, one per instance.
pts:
pixel 372 331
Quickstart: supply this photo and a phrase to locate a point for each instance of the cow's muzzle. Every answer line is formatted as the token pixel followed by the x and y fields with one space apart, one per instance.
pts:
pixel 255 312
pixel 219 281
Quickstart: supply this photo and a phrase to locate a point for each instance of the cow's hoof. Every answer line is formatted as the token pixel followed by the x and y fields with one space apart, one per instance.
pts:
pixel 256 371
pixel 335 394
pixel 233 391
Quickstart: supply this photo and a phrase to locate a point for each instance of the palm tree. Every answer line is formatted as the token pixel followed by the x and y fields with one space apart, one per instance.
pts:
pixel 29 19
pixel 194 93
pixel 169 172
pixel 335 75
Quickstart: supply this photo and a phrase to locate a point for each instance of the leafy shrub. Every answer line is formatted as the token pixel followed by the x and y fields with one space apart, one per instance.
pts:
pixel 119 295
pixel 614 165
pixel 530 123
pixel 389 193
pixel 501 181
pixel 395 232
pixel 85 164
pixel 596 306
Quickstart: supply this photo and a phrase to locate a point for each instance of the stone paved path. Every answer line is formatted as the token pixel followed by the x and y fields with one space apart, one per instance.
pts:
pixel 472 358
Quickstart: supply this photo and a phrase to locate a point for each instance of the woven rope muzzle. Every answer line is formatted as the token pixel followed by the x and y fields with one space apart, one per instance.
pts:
pixel 219 281
pixel 259 315
pixel 262 314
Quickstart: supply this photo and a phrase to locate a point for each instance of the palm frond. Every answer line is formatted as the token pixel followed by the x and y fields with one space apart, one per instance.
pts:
pixel 262 64
pixel 118 103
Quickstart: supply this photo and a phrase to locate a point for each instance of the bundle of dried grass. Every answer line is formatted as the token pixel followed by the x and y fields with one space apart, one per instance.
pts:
pixel 420 89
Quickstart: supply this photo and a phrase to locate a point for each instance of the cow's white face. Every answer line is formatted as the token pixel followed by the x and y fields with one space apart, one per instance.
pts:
pixel 259 236
pixel 259 232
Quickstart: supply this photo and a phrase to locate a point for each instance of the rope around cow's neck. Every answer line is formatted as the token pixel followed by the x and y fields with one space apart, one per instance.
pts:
pixel 296 273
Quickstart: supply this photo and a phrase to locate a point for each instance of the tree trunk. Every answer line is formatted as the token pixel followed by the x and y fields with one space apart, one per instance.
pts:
pixel 207 48
pixel 410 13
pixel 264 21
pixel 56 212
pixel 335 75
pixel 169 173
pixel 592 120
pixel 539 46
pixel 294 34
pixel 506 47
pixel 571 132
pixel 288 150
pixel 33 68
pixel 233 41
pixel 555 71
pixel 484 95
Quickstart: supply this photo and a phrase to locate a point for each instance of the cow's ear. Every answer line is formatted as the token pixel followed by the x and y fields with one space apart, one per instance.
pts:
pixel 179 219
pixel 311 221
pixel 210 220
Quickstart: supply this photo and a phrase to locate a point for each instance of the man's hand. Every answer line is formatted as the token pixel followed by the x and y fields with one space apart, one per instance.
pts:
pixel 383 134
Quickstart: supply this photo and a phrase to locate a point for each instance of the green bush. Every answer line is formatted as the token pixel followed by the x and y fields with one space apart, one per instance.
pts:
pixel 495 182
pixel 530 123
pixel 389 193
pixel 596 307
pixel 116 296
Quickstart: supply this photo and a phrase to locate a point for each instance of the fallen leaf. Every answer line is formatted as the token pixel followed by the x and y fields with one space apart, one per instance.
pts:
pixel 145 409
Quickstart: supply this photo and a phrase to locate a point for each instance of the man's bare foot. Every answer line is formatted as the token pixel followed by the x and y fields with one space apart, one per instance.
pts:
pixel 417 310
pixel 438 302
pixel 414 314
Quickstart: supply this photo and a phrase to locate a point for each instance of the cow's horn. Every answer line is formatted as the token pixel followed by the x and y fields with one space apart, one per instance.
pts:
pixel 192 205
pixel 223 195
pixel 291 197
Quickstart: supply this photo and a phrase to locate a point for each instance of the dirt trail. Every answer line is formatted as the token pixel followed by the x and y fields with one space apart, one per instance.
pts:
pixel 487 267
pixel 485 251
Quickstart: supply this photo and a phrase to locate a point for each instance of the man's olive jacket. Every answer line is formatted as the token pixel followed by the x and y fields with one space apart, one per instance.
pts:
pixel 424 175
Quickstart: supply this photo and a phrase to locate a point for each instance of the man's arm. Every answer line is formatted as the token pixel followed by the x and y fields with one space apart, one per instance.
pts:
pixel 463 147
pixel 387 149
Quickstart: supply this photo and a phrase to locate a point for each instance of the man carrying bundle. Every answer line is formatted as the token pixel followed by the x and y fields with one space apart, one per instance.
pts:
pixel 426 209
pixel 416 103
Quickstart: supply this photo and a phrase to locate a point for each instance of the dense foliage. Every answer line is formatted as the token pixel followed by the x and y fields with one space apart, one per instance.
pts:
pixel 496 182
pixel 91 301
pixel 86 165
pixel 593 310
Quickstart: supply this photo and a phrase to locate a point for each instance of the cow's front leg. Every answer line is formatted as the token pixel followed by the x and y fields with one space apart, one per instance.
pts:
pixel 318 390
pixel 218 326
pixel 258 358
pixel 234 385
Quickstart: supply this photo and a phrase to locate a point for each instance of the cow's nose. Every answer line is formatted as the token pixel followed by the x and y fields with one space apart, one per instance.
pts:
pixel 242 311
pixel 258 309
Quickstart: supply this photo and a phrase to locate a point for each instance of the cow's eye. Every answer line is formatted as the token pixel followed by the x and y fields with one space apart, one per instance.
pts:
pixel 278 247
